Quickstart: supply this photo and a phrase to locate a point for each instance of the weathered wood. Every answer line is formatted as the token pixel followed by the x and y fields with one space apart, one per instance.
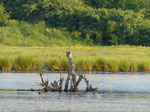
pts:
pixel 61 83
pixel 74 88
pixel 70 72
pixel 45 85
pixel 42 80
pixel 88 85
pixel 67 82
pixel 71 78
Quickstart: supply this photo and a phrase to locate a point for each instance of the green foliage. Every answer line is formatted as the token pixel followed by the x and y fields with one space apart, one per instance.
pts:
pixel 135 5
pixel 85 22
pixel 3 16
pixel 101 59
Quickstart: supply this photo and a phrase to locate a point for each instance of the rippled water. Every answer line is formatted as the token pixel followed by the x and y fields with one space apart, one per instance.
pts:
pixel 118 93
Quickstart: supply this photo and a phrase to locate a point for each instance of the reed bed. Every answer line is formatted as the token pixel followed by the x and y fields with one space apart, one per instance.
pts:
pixel 97 59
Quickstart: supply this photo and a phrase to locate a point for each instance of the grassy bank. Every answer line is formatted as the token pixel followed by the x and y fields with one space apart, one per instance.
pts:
pixel 97 59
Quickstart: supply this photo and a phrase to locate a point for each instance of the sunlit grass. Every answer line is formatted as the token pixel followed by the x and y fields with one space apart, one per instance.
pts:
pixel 133 66
pixel 101 65
pixel 5 63
pixel 125 65
pixel 113 64
pixel 23 63
pixel 109 58
pixel 144 65
pixel 84 65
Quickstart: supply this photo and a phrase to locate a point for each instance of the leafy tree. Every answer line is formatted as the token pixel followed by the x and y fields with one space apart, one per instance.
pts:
pixel 15 8
pixel 3 16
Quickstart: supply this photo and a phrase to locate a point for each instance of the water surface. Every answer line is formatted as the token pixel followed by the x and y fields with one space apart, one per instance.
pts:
pixel 118 93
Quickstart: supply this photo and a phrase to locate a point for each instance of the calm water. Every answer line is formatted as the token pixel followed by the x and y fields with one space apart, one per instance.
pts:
pixel 118 93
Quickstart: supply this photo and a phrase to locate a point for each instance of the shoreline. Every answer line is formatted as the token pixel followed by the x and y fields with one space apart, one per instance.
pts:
pixel 87 72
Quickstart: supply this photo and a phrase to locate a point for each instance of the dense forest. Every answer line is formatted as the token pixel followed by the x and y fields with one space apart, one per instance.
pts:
pixel 74 22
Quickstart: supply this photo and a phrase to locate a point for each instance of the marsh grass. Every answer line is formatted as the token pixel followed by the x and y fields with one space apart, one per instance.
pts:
pixel 133 66
pixel 5 63
pixel 101 65
pixel 84 65
pixel 125 65
pixel 36 64
pixel 144 66
pixel 111 59
pixel 23 63
pixel 113 64
pixel 51 64
pixel 57 64
pixel 63 65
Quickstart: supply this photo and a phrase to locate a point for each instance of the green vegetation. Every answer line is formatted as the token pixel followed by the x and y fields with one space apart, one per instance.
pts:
pixel 74 22
pixel 51 27
pixel 5 63
pixel 23 63
pixel 91 59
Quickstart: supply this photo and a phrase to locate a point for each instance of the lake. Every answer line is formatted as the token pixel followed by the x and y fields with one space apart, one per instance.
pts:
pixel 118 93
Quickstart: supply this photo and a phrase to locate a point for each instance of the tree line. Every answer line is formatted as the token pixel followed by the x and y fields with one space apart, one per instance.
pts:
pixel 94 22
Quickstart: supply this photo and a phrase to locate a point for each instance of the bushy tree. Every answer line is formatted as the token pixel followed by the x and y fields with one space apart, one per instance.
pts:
pixel 3 16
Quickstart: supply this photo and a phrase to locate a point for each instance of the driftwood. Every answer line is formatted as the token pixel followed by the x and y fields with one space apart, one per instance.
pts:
pixel 55 86
pixel 71 79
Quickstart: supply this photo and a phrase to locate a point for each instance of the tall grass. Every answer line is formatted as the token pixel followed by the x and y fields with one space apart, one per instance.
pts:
pixel 111 59
pixel 56 64
pixel 36 65
pixel 5 63
pixel 144 66
pixel 113 64
pixel 23 63
pixel 84 65
pixel 101 65
pixel 133 66
pixel 125 65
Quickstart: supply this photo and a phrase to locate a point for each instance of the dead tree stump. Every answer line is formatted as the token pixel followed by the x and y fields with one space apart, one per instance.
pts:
pixel 71 78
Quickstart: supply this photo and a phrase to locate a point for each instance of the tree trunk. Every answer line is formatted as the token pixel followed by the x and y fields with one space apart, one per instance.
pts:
pixel 70 71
